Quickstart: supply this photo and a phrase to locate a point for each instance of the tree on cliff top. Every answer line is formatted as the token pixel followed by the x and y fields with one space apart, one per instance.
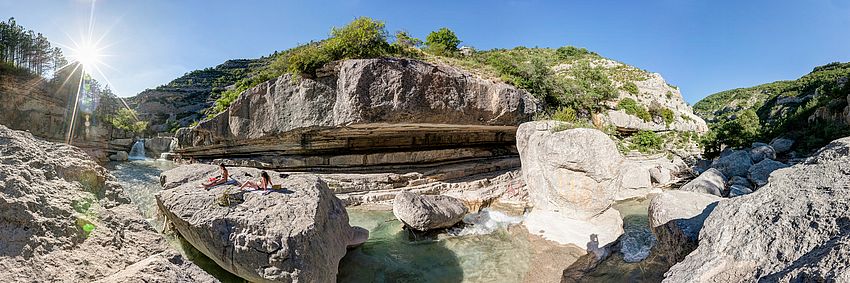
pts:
pixel 442 42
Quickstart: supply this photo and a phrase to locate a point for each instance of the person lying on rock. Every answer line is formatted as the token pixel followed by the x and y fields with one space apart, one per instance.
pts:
pixel 265 183
pixel 221 179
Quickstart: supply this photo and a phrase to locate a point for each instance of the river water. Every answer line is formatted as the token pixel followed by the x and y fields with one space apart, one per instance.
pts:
pixel 492 247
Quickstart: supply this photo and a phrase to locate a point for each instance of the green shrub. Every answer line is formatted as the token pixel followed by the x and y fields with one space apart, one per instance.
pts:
pixel 565 114
pixel 740 132
pixel 404 39
pixel 568 52
pixel 668 116
pixel 442 42
pixel 631 87
pixel 646 141
pixel 362 38
pixel 126 119
pixel 633 108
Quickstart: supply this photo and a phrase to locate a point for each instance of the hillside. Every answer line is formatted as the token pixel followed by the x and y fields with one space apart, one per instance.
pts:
pixel 184 100
pixel 574 85
pixel 812 109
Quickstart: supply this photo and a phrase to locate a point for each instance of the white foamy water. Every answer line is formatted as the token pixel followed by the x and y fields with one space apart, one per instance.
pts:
pixel 485 222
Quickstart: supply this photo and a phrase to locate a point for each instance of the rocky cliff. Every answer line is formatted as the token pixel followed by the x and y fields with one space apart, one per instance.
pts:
pixel 365 113
pixel 65 219
pixel 44 108
pixel 182 101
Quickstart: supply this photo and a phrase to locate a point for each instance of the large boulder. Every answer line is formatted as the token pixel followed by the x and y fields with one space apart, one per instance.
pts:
pixel 676 217
pixel 576 171
pixel 712 181
pixel 795 228
pixel 154 147
pixel 735 163
pixel 759 172
pixel 636 177
pixel 296 234
pixel 782 145
pixel 760 152
pixel 572 177
pixel 661 175
pixel 428 212
pixel 162 267
pixel 119 156
pixel 64 218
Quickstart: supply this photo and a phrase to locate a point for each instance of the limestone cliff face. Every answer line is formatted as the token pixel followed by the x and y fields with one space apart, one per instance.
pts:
pixel 44 108
pixel 370 112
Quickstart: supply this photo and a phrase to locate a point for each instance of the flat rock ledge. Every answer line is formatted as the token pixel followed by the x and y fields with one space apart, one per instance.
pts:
pixel 296 234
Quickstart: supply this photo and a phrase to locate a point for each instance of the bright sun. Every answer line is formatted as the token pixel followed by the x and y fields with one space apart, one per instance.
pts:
pixel 87 54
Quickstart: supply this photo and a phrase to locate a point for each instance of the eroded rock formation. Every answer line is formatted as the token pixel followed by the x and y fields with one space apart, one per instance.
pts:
pixel 795 228
pixel 427 212
pixel 298 233
pixel 63 218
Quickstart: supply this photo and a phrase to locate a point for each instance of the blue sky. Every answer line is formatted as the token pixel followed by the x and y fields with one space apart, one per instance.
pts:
pixel 701 46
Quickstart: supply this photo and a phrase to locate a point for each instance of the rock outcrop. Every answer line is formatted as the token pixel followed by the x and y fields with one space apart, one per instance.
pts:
pixel 573 177
pixel 298 233
pixel 45 109
pixel 65 219
pixel 712 181
pixel 795 228
pixel 676 218
pixel 365 113
pixel 428 212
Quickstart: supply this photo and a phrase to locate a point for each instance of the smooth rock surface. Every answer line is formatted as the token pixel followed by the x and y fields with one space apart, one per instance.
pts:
pixel 738 190
pixel 712 181
pixel 636 177
pixel 161 267
pixel 796 228
pixel 739 181
pixel 119 156
pixel 782 145
pixel 676 218
pixel 555 226
pixel 735 163
pixel 761 152
pixel 428 212
pixel 760 172
pixel 158 145
pixel 660 175
pixel 297 234
pixel 63 218
pixel 576 171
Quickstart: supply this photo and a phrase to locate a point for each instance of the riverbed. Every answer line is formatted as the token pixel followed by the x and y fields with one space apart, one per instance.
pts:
pixel 492 247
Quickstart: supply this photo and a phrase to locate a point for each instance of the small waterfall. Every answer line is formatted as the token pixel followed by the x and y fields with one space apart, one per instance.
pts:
pixel 138 150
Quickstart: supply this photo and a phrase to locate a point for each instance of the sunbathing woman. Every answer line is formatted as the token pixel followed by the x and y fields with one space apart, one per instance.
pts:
pixel 264 184
pixel 221 179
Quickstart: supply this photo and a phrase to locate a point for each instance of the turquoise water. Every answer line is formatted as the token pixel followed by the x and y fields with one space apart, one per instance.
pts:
pixel 485 251
pixel 390 256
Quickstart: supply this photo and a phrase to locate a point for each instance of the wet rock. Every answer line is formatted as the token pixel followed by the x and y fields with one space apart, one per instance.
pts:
pixel 712 181
pixel 735 163
pixel 760 172
pixel 63 218
pixel 158 145
pixel 428 212
pixel 119 156
pixel 795 228
pixel 781 145
pixel 676 218
pixel 761 152
pixel 298 233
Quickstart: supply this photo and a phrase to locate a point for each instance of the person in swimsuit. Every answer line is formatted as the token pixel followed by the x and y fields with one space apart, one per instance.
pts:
pixel 221 179
pixel 265 183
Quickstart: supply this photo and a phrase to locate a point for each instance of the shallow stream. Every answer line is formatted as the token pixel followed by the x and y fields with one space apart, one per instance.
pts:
pixel 493 247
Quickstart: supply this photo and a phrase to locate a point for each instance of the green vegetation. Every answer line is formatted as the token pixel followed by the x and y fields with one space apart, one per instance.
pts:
pixel 740 132
pixel 782 108
pixel 125 119
pixel 633 108
pixel 442 42
pixel 656 110
pixel 565 114
pixel 25 49
pixel 646 141
pixel 631 87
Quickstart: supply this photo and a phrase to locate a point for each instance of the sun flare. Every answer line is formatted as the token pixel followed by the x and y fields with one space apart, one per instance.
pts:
pixel 88 55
